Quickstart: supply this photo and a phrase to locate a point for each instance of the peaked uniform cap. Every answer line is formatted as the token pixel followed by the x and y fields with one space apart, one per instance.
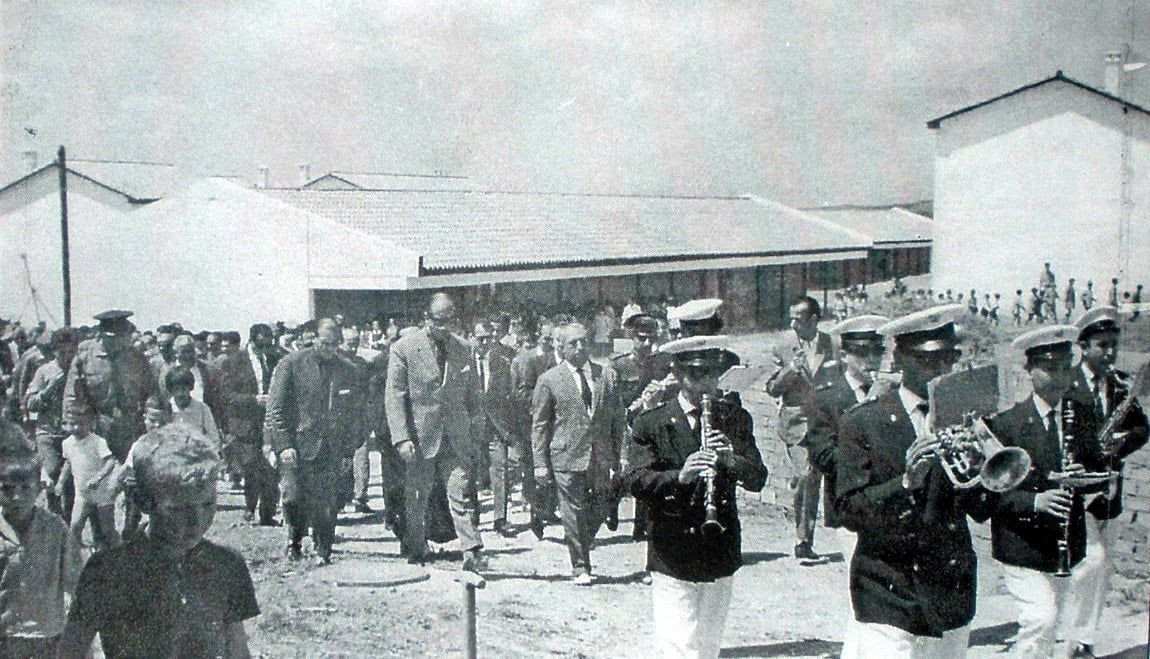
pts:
pixel 1052 339
pixel 701 351
pixel 1098 319
pixel 641 323
pixel 695 310
pixel 928 330
pixel 115 321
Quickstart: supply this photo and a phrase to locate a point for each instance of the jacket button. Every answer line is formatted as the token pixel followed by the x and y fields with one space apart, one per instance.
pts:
pixel 916 567
pixel 952 526
pixel 691 530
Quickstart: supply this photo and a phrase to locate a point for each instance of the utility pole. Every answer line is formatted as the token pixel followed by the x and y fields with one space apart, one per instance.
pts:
pixel 62 163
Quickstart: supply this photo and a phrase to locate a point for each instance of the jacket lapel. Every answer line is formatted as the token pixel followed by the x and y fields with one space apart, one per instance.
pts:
pixel 683 440
pixel 596 385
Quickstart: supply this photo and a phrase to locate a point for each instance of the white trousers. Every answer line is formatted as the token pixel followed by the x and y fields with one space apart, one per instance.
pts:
pixel 1043 599
pixel 870 640
pixel 689 617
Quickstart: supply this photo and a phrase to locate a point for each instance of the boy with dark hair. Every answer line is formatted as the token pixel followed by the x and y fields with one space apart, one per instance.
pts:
pixel 179 383
pixel 168 593
pixel 40 561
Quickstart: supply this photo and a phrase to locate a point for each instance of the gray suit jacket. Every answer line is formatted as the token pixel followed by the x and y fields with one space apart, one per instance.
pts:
pixel 563 436
pixel 426 406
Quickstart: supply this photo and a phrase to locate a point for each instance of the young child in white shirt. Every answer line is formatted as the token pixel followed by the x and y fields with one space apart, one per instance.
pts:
pixel 180 382
pixel 94 473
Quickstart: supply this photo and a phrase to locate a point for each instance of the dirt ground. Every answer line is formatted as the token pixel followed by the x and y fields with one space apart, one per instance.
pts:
pixel 781 607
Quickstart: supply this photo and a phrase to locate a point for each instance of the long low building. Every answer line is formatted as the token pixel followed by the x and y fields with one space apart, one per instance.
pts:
pixel 572 249
pixel 216 253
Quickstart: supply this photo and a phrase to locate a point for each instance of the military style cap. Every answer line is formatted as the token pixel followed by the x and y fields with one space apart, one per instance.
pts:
pixel 641 324
pixel 707 351
pixel 697 317
pixel 115 321
pixel 1052 341
pixel 929 330
pixel 860 332
pixel 1097 320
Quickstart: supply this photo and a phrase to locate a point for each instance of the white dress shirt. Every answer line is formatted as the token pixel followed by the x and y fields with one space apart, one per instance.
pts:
pixel 586 369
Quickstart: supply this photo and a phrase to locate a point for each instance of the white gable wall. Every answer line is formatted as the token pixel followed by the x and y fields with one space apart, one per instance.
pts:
pixel 1033 178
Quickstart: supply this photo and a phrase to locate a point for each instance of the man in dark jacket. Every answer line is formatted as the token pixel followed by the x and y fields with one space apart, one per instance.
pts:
pixel 842 385
pixel 314 424
pixel 243 379
pixel 1059 432
pixel 913 574
pixel 692 553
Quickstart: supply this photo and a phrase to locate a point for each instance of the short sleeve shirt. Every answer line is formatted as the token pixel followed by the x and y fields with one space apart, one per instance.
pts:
pixel 143 604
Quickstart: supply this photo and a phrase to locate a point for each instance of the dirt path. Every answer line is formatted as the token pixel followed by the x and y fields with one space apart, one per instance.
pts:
pixel 780 607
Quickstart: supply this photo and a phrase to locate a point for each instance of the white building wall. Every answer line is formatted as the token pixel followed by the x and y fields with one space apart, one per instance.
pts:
pixel 1035 178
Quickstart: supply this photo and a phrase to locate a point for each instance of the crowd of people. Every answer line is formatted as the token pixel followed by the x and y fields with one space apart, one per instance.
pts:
pixel 154 421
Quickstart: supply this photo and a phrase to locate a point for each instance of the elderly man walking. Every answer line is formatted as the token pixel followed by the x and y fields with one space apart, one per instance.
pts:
pixel 314 417
pixel 577 429
pixel 432 396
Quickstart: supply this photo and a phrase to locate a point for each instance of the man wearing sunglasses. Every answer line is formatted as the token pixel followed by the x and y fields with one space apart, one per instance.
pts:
pixel 677 448
pixel 844 384
pixel 432 395
pixel 913 573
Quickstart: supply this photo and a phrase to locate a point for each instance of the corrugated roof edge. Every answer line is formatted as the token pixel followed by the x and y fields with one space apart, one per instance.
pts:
pixel 54 165
pixel 811 217
pixel 1058 76
pixel 540 193
pixel 536 265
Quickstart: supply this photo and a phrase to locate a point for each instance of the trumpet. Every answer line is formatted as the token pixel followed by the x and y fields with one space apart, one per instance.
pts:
pixel 971 455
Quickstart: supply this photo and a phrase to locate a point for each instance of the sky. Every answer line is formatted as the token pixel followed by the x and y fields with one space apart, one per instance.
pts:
pixel 809 103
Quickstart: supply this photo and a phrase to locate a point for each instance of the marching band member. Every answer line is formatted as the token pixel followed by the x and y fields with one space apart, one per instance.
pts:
pixel 693 555
pixel 913 573
pixel 844 384
pixel 1058 426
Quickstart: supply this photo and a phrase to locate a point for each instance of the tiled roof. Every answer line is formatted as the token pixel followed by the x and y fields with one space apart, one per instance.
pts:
pixel 882 225
pixel 459 231
pixel 1057 77
pixel 388 181
pixel 142 181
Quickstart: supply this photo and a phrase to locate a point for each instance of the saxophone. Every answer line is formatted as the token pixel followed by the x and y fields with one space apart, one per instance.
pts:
pixel 1069 421
pixel 711 527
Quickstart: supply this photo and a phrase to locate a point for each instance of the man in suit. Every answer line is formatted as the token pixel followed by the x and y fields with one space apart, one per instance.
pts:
pixel 692 562
pixel 843 385
pixel 537 356
pixel 314 424
pixel 243 379
pixel 913 575
pixel 432 395
pixel 577 428
pixel 791 385
pixel 1058 431
pixel 494 427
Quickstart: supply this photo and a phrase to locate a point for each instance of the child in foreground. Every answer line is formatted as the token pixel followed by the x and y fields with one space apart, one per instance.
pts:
pixel 92 468
pixel 169 592
pixel 39 561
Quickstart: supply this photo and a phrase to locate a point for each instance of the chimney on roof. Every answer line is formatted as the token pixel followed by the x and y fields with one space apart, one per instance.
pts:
pixel 31 160
pixel 304 173
pixel 1115 60
pixel 262 182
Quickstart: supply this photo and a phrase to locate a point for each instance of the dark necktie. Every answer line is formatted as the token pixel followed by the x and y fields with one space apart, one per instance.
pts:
pixel 1099 407
pixel 696 416
pixel 923 408
pixel 1052 432
pixel 479 368
pixel 585 390
pixel 865 388
pixel 440 354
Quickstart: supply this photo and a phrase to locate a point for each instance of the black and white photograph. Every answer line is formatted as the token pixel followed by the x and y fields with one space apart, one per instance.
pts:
pixel 617 328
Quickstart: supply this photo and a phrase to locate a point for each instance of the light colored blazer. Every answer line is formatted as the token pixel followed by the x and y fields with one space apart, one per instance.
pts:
pixel 563 436
pixel 427 406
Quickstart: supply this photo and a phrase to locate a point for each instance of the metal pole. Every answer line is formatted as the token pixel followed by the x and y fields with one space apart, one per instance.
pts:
pixel 470 582
pixel 65 257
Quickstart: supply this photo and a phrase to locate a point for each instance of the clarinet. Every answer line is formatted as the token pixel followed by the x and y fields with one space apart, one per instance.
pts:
pixel 712 527
pixel 1069 421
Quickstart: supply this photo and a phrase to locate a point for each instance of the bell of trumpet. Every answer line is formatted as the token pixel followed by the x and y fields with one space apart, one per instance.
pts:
pixel 971 455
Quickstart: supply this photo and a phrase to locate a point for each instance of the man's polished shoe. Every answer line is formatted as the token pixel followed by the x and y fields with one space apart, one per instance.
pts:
pixel 503 529
pixel 583 579
pixel 1082 651
pixel 613 519
pixel 294 553
pixel 270 521
pixel 537 526
pixel 473 561
pixel 803 550
pixel 320 560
